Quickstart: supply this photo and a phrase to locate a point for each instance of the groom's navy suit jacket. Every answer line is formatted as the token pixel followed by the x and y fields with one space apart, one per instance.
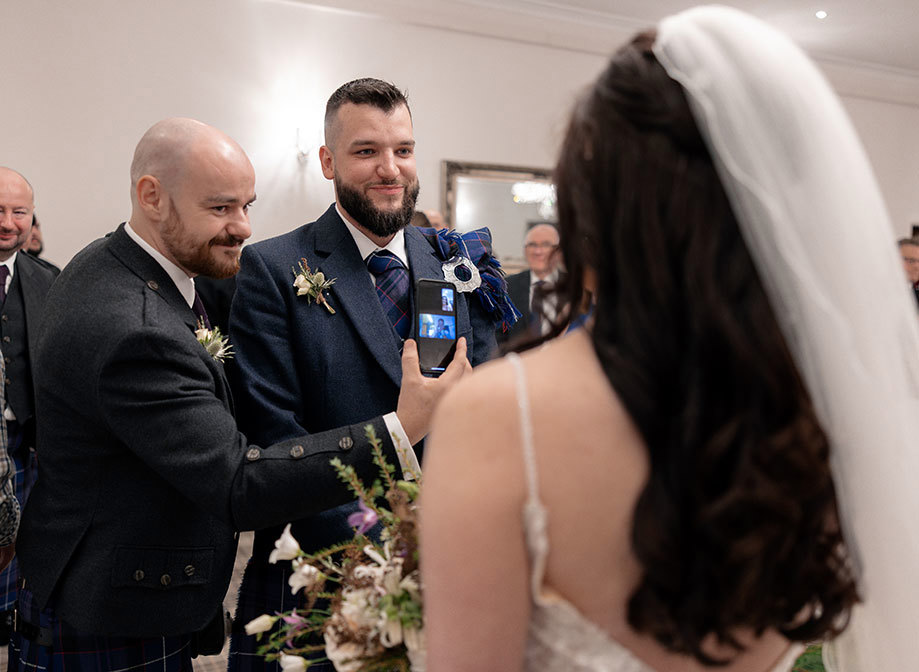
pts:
pixel 144 478
pixel 302 368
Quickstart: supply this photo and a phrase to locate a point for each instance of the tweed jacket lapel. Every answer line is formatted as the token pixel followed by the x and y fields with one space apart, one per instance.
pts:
pixel 158 283
pixel 354 292
pixel 31 299
pixel 150 272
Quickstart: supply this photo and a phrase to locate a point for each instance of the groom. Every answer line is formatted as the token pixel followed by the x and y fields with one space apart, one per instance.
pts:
pixel 304 368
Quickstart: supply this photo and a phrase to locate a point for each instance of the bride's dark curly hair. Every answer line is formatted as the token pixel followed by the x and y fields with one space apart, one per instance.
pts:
pixel 737 526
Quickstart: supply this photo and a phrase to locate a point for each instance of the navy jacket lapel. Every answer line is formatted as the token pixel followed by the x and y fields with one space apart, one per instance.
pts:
pixel 354 292
pixel 427 264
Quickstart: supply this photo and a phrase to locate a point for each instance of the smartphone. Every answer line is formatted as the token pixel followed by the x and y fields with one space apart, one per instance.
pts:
pixel 435 324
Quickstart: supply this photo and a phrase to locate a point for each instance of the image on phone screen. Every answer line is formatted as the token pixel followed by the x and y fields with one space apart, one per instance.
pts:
pixel 435 310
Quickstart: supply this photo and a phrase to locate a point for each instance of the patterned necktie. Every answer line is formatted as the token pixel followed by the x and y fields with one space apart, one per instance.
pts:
pixel 200 312
pixel 392 289
pixel 4 274
pixel 536 305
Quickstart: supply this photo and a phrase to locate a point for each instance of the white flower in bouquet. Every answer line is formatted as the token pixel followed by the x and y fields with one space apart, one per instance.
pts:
pixel 304 576
pixel 285 547
pixel 345 655
pixel 417 651
pixel 263 623
pixel 292 663
pixel 359 609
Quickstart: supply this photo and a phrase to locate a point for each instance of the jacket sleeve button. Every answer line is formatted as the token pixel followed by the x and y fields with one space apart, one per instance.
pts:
pixel 296 452
pixel 189 570
pixel 139 575
pixel 345 443
pixel 165 579
pixel 253 454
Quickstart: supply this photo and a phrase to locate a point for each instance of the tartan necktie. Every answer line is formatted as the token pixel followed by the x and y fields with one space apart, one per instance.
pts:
pixel 200 312
pixel 392 289
pixel 536 305
pixel 4 274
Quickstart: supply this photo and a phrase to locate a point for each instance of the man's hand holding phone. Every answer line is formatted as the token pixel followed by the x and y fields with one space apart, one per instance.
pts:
pixel 420 394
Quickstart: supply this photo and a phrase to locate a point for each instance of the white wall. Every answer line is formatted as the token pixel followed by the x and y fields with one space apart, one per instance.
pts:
pixel 890 133
pixel 81 81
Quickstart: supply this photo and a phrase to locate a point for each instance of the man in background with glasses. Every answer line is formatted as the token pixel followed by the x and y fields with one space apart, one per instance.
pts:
pixel 531 290
pixel 909 252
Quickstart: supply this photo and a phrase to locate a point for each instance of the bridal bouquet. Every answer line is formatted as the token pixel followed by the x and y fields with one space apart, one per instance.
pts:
pixel 362 596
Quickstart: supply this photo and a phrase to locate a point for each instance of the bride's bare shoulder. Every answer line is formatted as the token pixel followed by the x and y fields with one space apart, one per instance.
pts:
pixel 492 387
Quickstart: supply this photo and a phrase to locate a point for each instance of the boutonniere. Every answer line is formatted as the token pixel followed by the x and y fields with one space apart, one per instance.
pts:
pixel 312 285
pixel 217 345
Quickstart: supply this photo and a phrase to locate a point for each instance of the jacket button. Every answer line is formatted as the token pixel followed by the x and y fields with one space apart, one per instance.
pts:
pixel 189 570
pixel 165 579
pixel 253 454
pixel 5 318
pixel 345 443
pixel 139 575
pixel 6 339
pixel 153 284
pixel 296 452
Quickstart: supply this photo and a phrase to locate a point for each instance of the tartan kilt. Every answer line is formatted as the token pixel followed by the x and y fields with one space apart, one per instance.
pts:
pixel 26 469
pixel 75 651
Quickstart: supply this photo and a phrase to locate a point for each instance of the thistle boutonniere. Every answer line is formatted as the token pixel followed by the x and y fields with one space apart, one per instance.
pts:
pixel 217 345
pixel 312 285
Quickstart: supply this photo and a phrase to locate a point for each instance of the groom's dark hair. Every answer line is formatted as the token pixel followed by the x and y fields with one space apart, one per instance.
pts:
pixel 364 91
pixel 736 528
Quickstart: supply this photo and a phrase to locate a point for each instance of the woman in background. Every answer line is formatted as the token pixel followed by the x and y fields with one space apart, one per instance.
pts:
pixel 711 472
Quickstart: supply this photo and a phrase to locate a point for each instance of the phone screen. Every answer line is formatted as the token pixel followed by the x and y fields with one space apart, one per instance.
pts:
pixel 435 310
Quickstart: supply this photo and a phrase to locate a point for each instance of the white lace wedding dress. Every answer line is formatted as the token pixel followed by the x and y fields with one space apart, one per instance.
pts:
pixel 560 638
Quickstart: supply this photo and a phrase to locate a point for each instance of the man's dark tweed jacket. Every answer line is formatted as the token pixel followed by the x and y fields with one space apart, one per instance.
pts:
pixel 143 477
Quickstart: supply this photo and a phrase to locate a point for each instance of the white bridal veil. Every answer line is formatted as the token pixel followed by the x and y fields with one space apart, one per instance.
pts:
pixel 814 221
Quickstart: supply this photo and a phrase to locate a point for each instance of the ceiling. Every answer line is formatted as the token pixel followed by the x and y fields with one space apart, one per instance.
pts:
pixel 875 34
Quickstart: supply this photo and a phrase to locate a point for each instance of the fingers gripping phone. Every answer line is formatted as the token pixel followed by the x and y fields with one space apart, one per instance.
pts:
pixel 435 324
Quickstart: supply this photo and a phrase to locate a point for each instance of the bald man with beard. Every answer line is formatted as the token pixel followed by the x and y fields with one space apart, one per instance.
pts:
pixel 128 543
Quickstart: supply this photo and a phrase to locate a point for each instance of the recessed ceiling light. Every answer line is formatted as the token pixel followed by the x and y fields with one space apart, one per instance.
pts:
pixel 821 14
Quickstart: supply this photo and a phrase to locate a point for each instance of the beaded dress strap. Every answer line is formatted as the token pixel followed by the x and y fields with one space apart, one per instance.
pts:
pixel 526 429
pixel 535 518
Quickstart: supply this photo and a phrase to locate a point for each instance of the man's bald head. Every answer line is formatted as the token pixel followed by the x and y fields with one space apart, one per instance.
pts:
pixel 171 146
pixel 191 188
pixel 17 205
pixel 8 175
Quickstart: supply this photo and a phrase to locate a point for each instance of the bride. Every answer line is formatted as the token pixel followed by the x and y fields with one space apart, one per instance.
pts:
pixel 716 469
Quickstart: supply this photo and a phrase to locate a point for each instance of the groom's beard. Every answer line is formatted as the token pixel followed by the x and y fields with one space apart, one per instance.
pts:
pixel 382 223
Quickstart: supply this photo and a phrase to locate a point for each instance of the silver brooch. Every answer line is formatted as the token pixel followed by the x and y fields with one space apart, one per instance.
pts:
pixel 474 281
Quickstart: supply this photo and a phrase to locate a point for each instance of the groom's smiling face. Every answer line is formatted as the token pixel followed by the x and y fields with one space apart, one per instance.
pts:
pixel 370 155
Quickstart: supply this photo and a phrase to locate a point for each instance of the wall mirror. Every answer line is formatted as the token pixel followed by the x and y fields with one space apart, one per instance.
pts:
pixel 506 199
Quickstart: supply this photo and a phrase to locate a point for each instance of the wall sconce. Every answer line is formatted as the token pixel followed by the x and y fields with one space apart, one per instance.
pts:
pixel 303 151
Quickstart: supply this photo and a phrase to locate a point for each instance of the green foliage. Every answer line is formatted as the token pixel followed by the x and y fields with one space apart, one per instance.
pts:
pixel 810 661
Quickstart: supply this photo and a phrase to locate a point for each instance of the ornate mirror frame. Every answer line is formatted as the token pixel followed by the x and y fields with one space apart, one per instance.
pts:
pixel 486 172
